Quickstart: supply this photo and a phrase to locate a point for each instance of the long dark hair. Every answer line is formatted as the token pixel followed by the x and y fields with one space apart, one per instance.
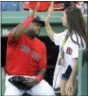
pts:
pixel 76 23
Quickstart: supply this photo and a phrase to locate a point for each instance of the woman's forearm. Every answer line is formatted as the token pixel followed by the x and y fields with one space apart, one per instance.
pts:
pixel 74 71
pixel 49 30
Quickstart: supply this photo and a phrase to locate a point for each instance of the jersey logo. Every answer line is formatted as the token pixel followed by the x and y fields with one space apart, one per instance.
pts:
pixel 35 56
pixel 69 51
pixel 25 49
pixel 28 50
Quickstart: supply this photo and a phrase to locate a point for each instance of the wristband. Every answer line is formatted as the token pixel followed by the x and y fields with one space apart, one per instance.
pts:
pixel 27 21
pixel 39 77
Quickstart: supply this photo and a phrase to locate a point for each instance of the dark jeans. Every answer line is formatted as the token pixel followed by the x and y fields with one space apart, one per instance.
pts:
pixel 66 75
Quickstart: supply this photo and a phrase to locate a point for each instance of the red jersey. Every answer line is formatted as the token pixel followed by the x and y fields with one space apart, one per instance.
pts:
pixel 25 56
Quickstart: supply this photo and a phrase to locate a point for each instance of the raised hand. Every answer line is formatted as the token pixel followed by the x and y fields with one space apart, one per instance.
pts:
pixel 50 10
pixel 34 14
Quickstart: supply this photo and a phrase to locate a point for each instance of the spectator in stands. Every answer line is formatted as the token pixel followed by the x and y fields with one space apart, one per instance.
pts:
pixel 83 6
pixel 11 6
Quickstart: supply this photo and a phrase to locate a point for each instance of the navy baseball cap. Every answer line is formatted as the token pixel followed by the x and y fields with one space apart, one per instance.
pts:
pixel 39 20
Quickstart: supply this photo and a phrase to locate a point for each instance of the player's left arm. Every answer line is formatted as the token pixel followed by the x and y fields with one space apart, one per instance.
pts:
pixel 33 81
pixel 40 75
pixel 42 65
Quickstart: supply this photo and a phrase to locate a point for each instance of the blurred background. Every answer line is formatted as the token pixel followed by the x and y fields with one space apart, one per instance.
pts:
pixel 13 12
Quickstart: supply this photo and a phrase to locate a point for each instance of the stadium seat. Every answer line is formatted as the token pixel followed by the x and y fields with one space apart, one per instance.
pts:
pixel 58 6
pixel 11 6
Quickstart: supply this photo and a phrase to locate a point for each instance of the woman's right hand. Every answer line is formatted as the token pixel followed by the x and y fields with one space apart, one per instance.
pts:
pixel 50 10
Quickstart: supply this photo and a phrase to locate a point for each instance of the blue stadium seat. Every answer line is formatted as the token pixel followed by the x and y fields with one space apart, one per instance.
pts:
pixel 11 6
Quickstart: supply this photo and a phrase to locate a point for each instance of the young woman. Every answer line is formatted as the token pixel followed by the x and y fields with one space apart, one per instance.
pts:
pixel 69 41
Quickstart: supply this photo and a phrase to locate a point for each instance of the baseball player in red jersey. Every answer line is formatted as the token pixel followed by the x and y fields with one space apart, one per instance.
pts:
pixel 26 56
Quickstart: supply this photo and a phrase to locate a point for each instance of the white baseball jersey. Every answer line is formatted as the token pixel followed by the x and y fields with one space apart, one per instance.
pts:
pixel 70 52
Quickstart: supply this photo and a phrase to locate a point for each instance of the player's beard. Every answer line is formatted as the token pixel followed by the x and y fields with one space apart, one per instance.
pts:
pixel 37 34
pixel 32 34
